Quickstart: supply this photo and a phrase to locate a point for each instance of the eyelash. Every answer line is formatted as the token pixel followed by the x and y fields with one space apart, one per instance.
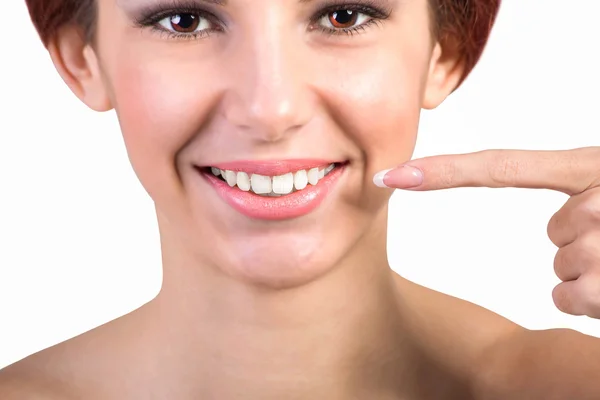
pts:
pixel 151 17
pixel 376 16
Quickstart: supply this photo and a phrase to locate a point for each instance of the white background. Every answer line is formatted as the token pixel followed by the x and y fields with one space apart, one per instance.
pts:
pixel 78 239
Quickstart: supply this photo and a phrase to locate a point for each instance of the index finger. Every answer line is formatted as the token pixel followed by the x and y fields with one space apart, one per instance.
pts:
pixel 567 171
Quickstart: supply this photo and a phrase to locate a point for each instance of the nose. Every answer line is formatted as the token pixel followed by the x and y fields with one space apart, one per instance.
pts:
pixel 269 96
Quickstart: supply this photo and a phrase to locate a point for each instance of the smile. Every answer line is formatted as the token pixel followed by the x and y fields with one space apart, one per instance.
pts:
pixel 273 186
pixel 274 190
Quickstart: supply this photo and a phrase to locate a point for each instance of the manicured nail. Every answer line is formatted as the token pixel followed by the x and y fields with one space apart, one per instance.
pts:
pixel 404 177
pixel 378 178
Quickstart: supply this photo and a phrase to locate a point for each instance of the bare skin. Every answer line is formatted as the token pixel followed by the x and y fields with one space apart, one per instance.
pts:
pixel 443 343
pixel 453 350
pixel 320 315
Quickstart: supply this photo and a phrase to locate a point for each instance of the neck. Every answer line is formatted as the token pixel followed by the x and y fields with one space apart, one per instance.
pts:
pixel 336 335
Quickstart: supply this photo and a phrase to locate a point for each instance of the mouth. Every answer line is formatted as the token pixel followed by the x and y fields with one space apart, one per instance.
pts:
pixel 272 186
pixel 274 190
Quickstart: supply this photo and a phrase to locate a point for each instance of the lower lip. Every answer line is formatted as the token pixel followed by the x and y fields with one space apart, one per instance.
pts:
pixel 290 206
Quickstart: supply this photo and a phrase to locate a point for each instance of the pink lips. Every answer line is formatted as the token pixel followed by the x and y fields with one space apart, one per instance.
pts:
pixel 290 206
pixel 272 168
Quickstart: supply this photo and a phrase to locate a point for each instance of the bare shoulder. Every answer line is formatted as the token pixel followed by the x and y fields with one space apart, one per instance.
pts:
pixel 545 364
pixel 57 372
pixel 498 358
pixel 453 334
pixel 89 366
pixel 28 379
pixel 13 384
pixel 445 321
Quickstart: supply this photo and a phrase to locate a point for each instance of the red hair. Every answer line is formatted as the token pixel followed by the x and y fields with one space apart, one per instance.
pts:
pixel 466 22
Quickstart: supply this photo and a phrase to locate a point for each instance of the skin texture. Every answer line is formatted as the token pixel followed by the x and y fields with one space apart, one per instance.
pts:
pixel 241 318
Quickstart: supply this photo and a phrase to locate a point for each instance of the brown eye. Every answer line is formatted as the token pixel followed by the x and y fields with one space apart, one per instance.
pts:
pixel 185 23
pixel 341 19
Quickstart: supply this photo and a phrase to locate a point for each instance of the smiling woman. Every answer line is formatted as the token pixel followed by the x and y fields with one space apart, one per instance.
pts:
pixel 256 127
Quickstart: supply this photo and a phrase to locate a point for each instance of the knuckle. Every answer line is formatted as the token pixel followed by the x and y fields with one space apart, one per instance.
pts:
pixel 592 293
pixel 562 266
pixel 562 299
pixel 448 174
pixel 589 244
pixel 590 208
pixel 503 170
pixel 553 228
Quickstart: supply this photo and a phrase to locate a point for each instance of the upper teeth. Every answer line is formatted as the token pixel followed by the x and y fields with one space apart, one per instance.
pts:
pixel 276 185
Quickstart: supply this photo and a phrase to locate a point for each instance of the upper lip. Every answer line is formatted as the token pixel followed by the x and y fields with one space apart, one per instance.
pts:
pixel 273 167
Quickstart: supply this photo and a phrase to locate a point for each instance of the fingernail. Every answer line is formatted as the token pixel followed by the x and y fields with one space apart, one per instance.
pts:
pixel 378 178
pixel 404 177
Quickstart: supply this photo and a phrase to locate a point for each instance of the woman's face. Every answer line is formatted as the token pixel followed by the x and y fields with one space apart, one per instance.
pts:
pixel 253 86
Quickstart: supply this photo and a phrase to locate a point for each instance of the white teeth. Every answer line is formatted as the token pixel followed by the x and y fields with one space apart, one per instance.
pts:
pixel 260 184
pixel 273 186
pixel 283 184
pixel 243 181
pixel 313 176
pixel 231 178
pixel 300 179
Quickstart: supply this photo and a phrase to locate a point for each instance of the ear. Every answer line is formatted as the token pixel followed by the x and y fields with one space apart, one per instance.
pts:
pixel 445 72
pixel 77 63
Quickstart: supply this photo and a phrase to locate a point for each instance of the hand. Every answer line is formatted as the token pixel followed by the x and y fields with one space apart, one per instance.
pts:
pixel 574 229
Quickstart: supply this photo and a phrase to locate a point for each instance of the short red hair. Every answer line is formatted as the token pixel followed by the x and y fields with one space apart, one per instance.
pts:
pixel 467 22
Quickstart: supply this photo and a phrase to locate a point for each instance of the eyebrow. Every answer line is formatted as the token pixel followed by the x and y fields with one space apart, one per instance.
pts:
pixel 222 3
pixel 144 2
pixel 386 3
pixel 217 2
pixel 342 2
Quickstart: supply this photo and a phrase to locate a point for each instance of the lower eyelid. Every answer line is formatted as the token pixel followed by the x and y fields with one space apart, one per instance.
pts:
pixel 180 36
pixel 346 31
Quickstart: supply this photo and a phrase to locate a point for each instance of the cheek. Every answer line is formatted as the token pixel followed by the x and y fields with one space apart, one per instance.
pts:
pixel 159 110
pixel 381 98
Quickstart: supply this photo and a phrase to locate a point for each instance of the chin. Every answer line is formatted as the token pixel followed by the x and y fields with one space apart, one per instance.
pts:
pixel 279 259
